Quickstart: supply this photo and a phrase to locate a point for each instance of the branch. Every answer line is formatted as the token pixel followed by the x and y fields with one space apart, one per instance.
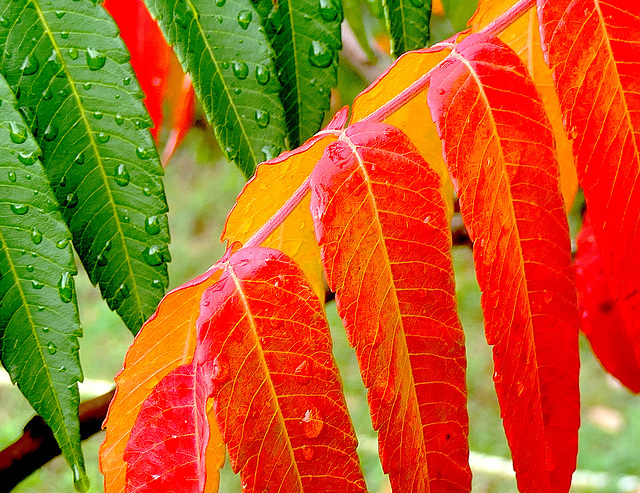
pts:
pixel 37 446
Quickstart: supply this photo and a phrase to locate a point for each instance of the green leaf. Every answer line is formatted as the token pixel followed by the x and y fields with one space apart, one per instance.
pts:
pixel 223 46
pixel 71 71
pixel 459 12
pixel 305 35
pixel 353 14
pixel 408 24
pixel 39 326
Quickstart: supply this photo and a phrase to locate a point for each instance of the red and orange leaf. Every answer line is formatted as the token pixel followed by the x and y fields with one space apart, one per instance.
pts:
pixel 593 49
pixel 602 321
pixel 180 100
pixel 166 450
pixel 167 340
pixel 274 182
pixel 523 37
pixel 278 399
pixel 382 226
pixel 498 144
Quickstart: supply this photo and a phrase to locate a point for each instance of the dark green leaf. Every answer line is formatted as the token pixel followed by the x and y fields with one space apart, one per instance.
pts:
pixel 223 46
pixel 353 14
pixel 71 70
pixel 305 35
pixel 39 326
pixel 408 24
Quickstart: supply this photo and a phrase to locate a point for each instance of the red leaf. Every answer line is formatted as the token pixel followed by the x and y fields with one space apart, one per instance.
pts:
pixel 602 321
pixel 166 450
pixel 278 399
pixel 593 49
pixel 381 223
pixel 498 144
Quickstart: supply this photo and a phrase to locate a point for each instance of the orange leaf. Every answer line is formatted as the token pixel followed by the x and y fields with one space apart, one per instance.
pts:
pixel 523 37
pixel 593 49
pixel 278 398
pixel 274 182
pixel 166 341
pixel 385 239
pixel 498 145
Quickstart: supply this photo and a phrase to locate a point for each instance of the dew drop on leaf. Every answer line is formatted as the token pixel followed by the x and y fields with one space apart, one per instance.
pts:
pixel 30 65
pixel 312 423
pixel 52 348
pixel 303 371
pixel 47 94
pixel 220 3
pixel 19 209
pixel 151 225
pixel 98 115
pixel 95 59
pixel 17 132
pixel 36 236
pixel 64 34
pixel 101 260
pixel 65 287
pixel 152 255
pixel 30 268
pixel 119 297
pixel 320 55
pixel 262 74
pixel 27 158
pixel 36 284
pixel 61 244
pixel 126 81
pixel 240 70
pixel 307 452
pixel 50 133
pixel 73 53
pixel 122 175
pixel 79 159
pixel 12 176
pixel 328 10
pixel 4 21
pixel 80 481
pixel 70 201
pixel 156 283
pixel 102 137
pixel 119 119
pixel 143 153
pixel 45 329
pixel 270 151
pixel 60 13
pixel 262 118
pixel 244 18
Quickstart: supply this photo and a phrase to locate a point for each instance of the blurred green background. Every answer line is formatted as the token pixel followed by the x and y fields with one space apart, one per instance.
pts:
pixel 201 188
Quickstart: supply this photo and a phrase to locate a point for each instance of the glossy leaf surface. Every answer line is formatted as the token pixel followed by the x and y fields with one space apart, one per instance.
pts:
pixel 507 179
pixel 382 226
pixel 236 83
pixel 602 321
pixel 408 24
pixel 278 399
pixel 84 108
pixel 166 341
pixel 39 326
pixel 592 48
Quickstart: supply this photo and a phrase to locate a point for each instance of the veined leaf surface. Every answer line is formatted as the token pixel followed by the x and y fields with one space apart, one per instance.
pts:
pixel 83 105
pixel 236 82
pixel 39 326
pixel 166 341
pixel 523 37
pixel 265 342
pixel 408 24
pixel 498 144
pixel 305 35
pixel 383 230
pixel 592 48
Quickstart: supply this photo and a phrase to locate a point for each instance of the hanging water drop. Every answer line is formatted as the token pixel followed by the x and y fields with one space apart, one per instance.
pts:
pixel 45 329
pixel 328 10
pixel 30 268
pixel 270 151
pixel 119 297
pixel 50 133
pixel 240 70
pixel 30 65
pixel 19 209
pixel 61 244
pixel 262 118
pixel 28 158
pixel 65 287
pixel 102 137
pixel 79 159
pixel 80 479
pixel 64 34
pixel 262 74
pixel 151 225
pixel 312 423
pixel 220 3
pixel 52 348
pixel 153 255
pixel 17 132
pixel 12 176
pixel 59 13
pixel 244 19
pixel 119 119
pixel 36 284
pixel 70 201
pixel 73 53
pixel 143 153
pixel 122 175
pixel 95 59
pixel 36 236
pixel 98 115
pixel 320 55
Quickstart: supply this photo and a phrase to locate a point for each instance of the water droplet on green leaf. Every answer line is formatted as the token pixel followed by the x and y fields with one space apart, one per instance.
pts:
pixel 119 297
pixel 30 65
pixel 30 268
pixel 73 53
pixel 119 119
pixel 64 34
pixel 19 209
pixel 95 59
pixel 122 175
pixel 36 284
pixel 50 133
pixel 156 283
pixel 62 243
pixel 60 13
pixel 44 329
pixel 244 18
pixel 17 132
pixel 65 287
pixel 320 55
pixel 36 236
pixel 240 70
pixel 47 94
pixel 70 201
pixel 101 260
pixel 262 74
pixel 143 153
pixel 220 3
pixel 4 22
pixel 52 348
pixel 329 10
pixel 270 151
pixel 102 137
pixel 151 225
pixel 28 158
pixel 79 159
pixel 262 118
pixel 98 115
pixel 12 176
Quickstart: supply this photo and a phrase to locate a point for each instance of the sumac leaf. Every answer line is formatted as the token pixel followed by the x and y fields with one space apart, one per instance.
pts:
pixel 381 223
pixel 498 144
pixel 408 24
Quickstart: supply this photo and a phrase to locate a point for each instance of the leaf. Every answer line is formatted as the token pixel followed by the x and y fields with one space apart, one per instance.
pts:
pixel 278 179
pixel 382 227
pixel 592 51
pixel 458 13
pixel 498 144
pixel 305 35
pixel 77 88
pixel 523 37
pixel 602 321
pixel 181 101
pixel 150 53
pixel 166 342
pixel 278 398
pixel 39 326
pixel 408 24
pixel 353 15
pixel 236 84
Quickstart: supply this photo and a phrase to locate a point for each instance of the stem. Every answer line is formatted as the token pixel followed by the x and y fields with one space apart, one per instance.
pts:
pixel 509 17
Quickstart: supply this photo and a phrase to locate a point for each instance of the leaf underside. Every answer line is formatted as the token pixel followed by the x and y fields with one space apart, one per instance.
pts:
pixel 235 80
pixel 83 105
pixel 39 326
pixel 382 226
pixel 504 164
pixel 408 24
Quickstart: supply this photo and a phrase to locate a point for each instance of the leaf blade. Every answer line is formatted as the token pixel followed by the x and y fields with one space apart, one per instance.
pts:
pixel 408 24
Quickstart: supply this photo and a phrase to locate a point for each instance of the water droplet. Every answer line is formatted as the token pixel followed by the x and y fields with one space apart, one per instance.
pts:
pixel 62 243
pixel 303 371
pixel 19 209
pixel 80 479
pixel 119 119
pixel 151 225
pixel 52 348
pixel 47 94
pixel 64 92
pixel 54 63
pixel 98 115
pixel 426 220
pixel 30 268
pixel 237 90
pixel 30 65
pixel 36 284
pixel 79 159
pixel 328 10
pixel 50 133
pixel 65 287
pixel 70 201
pixel 36 236
pixel 122 175
pixel 320 55
pixel 107 246
pixel 154 255
pixel 220 371
pixel 103 137
pixel 73 53
pixel 101 260
pixel 262 118
pixel 119 297
pixel 41 309
pixel 417 3
pixel 146 191
pixel 270 152
pixel 220 3
pixel 64 34
pixel 60 13
pixel 312 423
pixel 62 369
pixel 12 176
pixel 230 152
pixel 45 329
pixel 240 70
pixel 225 65
pixel 262 74
pixel 143 153
pixel 307 452
pixel 156 283
pixel 244 18
pixel 95 59
pixel 17 132
pixel 4 22
pixel 126 219
pixel 28 158
pixel 141 124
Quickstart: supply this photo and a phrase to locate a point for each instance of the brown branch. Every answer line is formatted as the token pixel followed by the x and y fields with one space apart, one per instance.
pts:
pixel 37 446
